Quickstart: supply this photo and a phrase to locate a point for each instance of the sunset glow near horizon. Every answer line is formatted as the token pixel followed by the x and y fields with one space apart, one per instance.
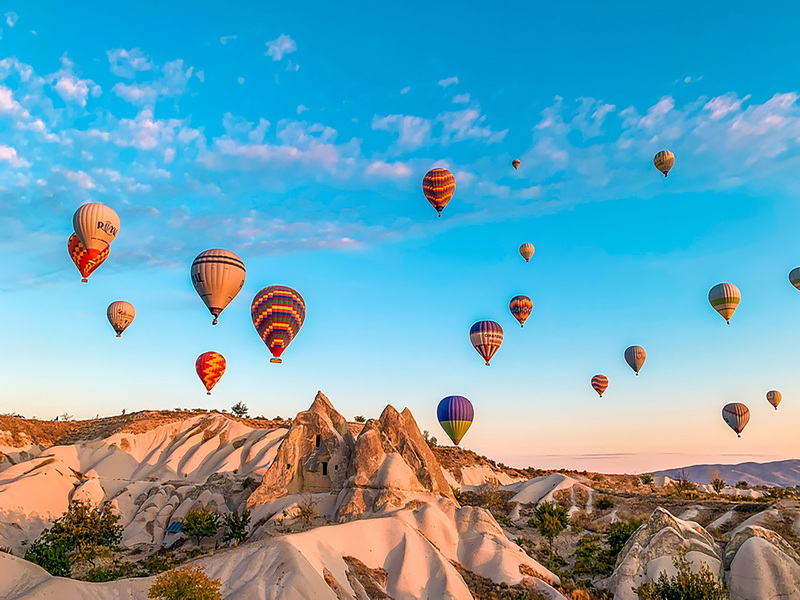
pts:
pixel 298 137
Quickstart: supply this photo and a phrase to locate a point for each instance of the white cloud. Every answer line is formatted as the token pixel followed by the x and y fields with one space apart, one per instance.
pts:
pixel 461 99
pixel 201 75
pixel 397 170
pixel 448 81
pixel 11 18
pixel 174 79
pixel 405 90
pixel 9 155
pixel 281 46
pixel 301 108
pixel 690 79
pixel 413 132
pixel 657 112
pixel 126 63
pixel 73 89
pixel 723 105
pixel 10 106
pixel 468 124
pixel 82 179
pixel 227 38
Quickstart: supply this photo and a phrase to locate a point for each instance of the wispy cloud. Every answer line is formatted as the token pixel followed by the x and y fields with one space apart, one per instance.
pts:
pixel 280 47
pixel 461 99
pixel 172 82
pixel 11 18
pixel 9 155
pixel 127 63
pixel 448 81
pixel 225 39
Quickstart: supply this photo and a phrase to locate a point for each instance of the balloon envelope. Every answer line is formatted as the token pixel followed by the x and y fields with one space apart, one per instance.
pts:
pixel 278 313
pixel 600 383
pixel 210 367
pixel 635 357
pixel 736 415
pixel 526 251
pixel 486 337
pixel 724 298
pixel 664 161
pixel 217 275
pixel 96 226
pixel 521 307
pixel 120 314
pixel 85 265
pixel 455 414
pixel 774 397
pixel 439 185
pixel 794 277
pixel 515 163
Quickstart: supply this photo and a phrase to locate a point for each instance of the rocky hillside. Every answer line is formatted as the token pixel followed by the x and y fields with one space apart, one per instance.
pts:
pixel 785 473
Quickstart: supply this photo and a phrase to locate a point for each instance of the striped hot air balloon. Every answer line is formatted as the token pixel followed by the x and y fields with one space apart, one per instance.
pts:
pixel 635 357
pixel 736 415
pixel 217 275
pixel 80 257
pixel 724 298
pixel 439 185
pixel 774 397
pixel 664 161
pixel 526 251
pixel 278 313
pixel 794 277
pixel 486 337
pixel 600 383
pixel 120 314
pixel 455 414
pixel 210 367
pixel 521 307
pixel 515 163
pixel 96 226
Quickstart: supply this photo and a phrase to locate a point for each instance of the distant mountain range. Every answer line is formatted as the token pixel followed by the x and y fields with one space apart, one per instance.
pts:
pixel 785 473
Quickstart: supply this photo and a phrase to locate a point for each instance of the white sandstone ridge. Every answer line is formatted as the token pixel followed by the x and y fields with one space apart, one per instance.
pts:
pixel 396 527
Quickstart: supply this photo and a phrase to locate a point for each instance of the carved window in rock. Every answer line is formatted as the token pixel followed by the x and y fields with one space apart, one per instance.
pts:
pixel 324 468
pixel 317 440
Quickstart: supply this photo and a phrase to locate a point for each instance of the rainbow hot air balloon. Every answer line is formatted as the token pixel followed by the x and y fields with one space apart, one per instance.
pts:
pixel 210 367
pixel 526 251
pixel 217 275
pixel 521 307
pixel 96 226
pixel 635 357
pixel 724 298
pixel 794 277
pixel 486 337
pixel 774 397
pixel 80 257
pixel 120 314
pixel 736 415
pixel 600 383
pixel 439 185
pixel 664 161
pixel 515 163
pixel 455 414
pixel 278 313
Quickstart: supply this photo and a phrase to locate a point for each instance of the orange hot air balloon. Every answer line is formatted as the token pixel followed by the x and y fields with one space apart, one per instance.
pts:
pixel 439 185
pixel 210 367
pixel 521 307
pixel 80 257
pixel 600 383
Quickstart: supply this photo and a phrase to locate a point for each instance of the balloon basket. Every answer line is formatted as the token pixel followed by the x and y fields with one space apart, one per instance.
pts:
pixel 275 360
pixel 208 393
pixel 84 281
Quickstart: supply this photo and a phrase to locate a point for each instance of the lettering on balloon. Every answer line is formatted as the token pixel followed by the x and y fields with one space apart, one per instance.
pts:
pixel 108 227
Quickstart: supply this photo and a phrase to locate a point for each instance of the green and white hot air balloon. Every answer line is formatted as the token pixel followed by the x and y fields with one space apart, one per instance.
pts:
pixel 724 298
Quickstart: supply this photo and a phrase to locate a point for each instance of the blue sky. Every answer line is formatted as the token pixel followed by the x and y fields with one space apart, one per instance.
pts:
pixel 297 136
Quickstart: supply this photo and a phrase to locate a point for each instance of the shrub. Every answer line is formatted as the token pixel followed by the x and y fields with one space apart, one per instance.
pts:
pixel 200 523
pixel 359 419
pixel 504 519
pixel 189 583
pixel 718 485
pixel 620 532
pixel 237 525
pixel 646 479
pixel 430 439
pixel 51 557
pixel 682 485
pixel 240 409
pixel 248 482
pixel 460 496
pixel 591 558
pixel 307 509
pixel 550 519
pixel 742 485
pixel 684 585
pixel 605 503
pixel 489 496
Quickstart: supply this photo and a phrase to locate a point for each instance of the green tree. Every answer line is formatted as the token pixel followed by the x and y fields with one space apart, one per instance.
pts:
pixel 620 532
pixel 200 523
pixel 742 485
pixel 53 558
pixel 237 524
pixel 240 409
pixel 605 503
pixel 550 519
pixel 359 419
pixel 684 585
pixel 188 583
pixel 718 485
pixel 591 558
pixel 646 479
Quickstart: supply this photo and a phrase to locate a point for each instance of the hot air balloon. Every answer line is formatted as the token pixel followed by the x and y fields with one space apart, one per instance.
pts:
pixel 794 277
pixel 526 251
pixel 96 226
pixel 210 367
pixel 120 315
pixel 774 397
pixel 635 357
pixel 664 161
pixel 278 313
pixel 455 414
pixel 600 383
pixel 80 257
pixel 736 415
pixel 486 337
pixel 439 185
pixel 217 275
pixel 515 163
pixel 520 307
pixel 725 297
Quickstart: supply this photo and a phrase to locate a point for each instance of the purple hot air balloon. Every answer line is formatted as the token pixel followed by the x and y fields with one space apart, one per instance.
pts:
pixel 455 414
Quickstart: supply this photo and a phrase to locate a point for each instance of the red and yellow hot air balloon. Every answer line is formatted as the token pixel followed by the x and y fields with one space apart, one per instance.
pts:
pixel 736 415
pixel 278 313
pixel 600 383
pixel 486 337
pixel 521 307
pixel 439 185
pixel 80 257
pixel 664 161
pixel 210 367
